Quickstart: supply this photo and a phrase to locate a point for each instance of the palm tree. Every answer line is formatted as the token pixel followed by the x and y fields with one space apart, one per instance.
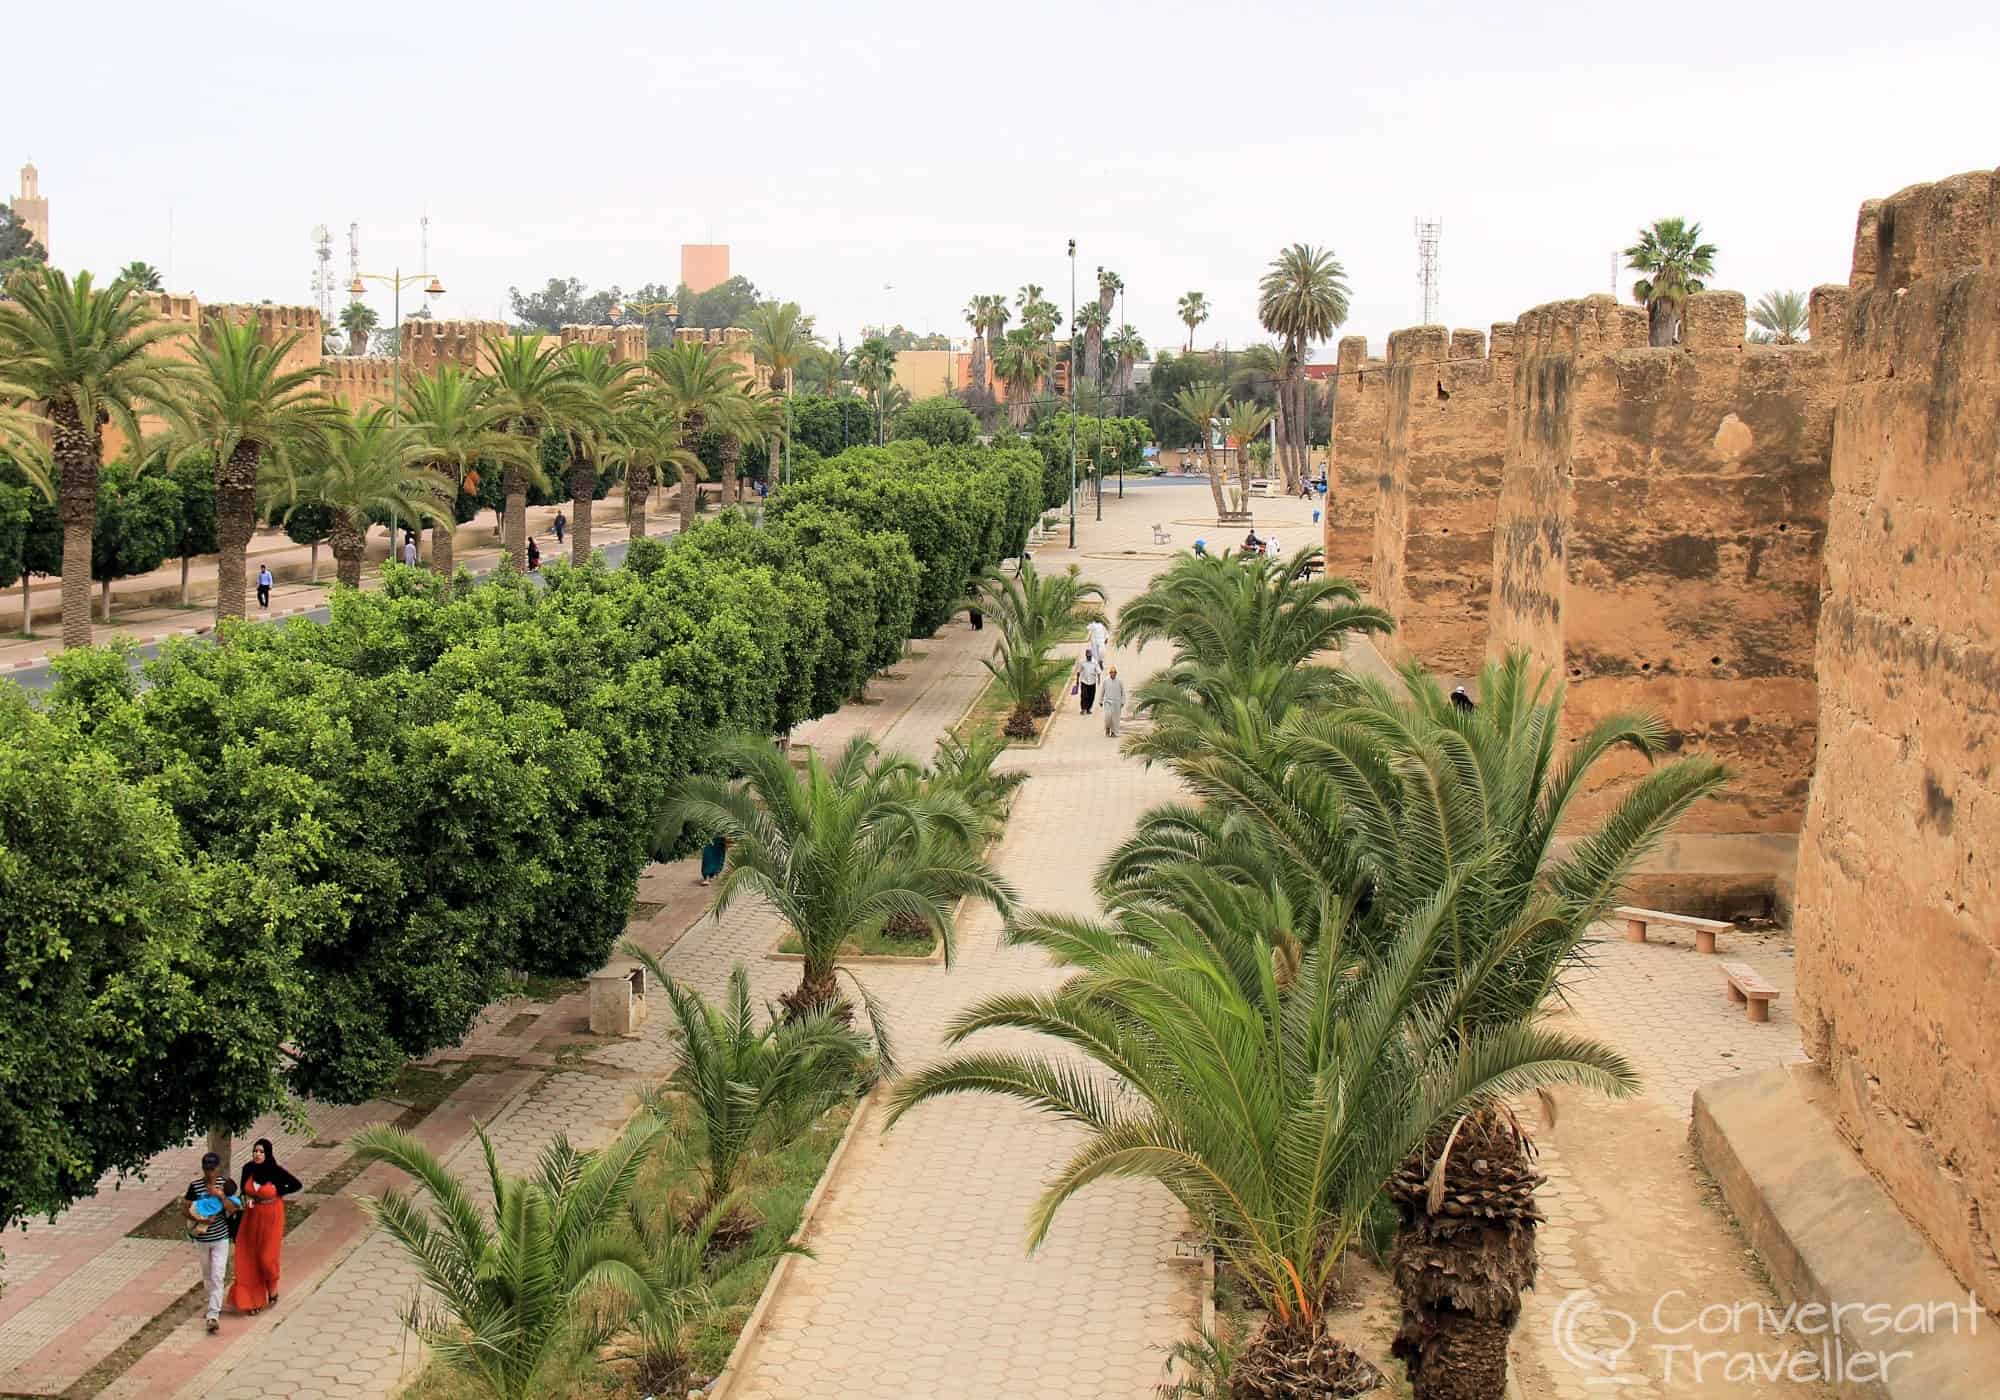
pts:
pixel 452 414
pixel 874 371
pixel 1675 261
pixel 693 382
pixel 739 416
pixel 248 411
pixel 988 316
pixel 1780 317
pixel 752 1087
pixel 647 444
pixel 530 391
pixel 81 356
pixel 1021 361
pixel 604 389
pixel 1201 403
pixel 543 1280
pixel 1302 299
pixel 1091 319
pixel 1032 611
pixel 366 466
pixel 781 338
pixel 359 322
pixel 1129 347
pixel 837 851
pixel 142 275
pixel 1247 421
pixel 1193 310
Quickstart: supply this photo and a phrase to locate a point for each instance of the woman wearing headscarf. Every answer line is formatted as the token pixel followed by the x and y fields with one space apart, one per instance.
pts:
pixel 260 1238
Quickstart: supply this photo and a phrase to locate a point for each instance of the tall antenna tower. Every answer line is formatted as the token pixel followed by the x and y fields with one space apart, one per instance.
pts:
pixel 353 254
pixel 1614 274
pixel 1429 231
pixel 425 222
pixel 322 279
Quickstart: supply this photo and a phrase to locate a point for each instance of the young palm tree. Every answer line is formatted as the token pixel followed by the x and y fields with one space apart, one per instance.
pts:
pixel 367 466
pixel 1201 404
pixel 81 356
pixel 530 390
pixel 1021 361
pixel 1033 608
pixel 461 430
pixel 837 851
pixel 1193 310
pixel 693 381
pixel 1780 318
pixel 1026 674
pixel 742 417
pixel 1247 421
pixel 542 1281
pixel 781 337
pixel 751 1087
pixel 359 322
pixel 142 275
pixel 874 371
pixel 1675 261
pixel 1302 299
pixel 604 389
pixel 250 412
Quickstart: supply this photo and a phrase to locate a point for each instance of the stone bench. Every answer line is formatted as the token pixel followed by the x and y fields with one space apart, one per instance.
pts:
pixel 618 998
pixel 1749 989
pixel 1705 930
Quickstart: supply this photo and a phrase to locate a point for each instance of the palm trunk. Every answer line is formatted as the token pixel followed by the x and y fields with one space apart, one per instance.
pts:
pixel 349 540
pixel 690 476
pixel 235 522
pixel 731 450
pixel 1214 482
pixel 1662 326
pixel 638 486
pixel 1093 356
pixel 442 563
pixel 514 518
pixel 79 454
pixel 582 496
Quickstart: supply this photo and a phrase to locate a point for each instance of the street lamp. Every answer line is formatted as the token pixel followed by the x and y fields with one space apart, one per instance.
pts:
pixel 397 280
pixel 1072 393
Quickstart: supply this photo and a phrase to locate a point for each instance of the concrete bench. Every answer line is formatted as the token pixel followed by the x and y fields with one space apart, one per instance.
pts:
pixel 618 998
pixel 1705 930
pixel 1749 989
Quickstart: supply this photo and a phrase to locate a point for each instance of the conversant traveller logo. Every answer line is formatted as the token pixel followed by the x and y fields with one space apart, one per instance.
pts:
pixel 1685 1339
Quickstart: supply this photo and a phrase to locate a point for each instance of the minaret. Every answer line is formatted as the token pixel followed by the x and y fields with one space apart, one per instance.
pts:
pixel 29 206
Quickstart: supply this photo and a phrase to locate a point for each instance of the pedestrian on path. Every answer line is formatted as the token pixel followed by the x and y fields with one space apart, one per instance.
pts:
pixel 1096 636
pixel 410 550
pixel 263 585
pixel 210 1206
pixel 1088 674
pixel 534 554
pixel 260 1235
pixel 712 857
pixel 977 618
pixel 1114 703
pixel 561 526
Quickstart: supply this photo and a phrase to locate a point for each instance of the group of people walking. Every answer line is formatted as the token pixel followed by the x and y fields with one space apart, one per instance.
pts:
pixel 1097 683
pixel 251 1217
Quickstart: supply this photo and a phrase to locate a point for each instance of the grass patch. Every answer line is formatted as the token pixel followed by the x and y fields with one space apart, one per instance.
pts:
pixel 990 711
pixel 875 945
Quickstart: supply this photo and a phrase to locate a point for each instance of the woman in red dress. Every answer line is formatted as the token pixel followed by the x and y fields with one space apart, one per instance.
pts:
pixel 261 1236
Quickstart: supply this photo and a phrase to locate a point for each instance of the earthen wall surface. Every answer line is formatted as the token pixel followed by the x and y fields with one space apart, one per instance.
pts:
pixel 1360 398
pixel 428 343
pixel 1658 537
pixel 624 342
pixel 1438 486
pixel 1898 917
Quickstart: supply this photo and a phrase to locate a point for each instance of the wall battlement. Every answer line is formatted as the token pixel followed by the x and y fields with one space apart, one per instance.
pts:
pixel 426 344
pixel 359 381
pixel 624 342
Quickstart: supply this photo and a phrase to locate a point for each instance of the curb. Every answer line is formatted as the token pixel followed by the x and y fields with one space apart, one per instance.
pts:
pixel 719 1387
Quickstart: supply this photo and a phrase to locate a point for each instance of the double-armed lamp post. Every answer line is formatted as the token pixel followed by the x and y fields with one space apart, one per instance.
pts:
pixel 397 280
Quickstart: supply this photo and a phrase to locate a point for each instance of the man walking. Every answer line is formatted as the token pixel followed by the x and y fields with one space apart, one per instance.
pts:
pixel 1088 673
pixel 1114 703
pixel 263 585
pixel 1096 635
pixel 562 528
pixel 208 1227
pixel 410 550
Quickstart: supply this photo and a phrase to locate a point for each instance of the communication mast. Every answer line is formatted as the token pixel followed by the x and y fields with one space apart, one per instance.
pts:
pixel 1429 231
pixel 353 254
pixel 322 278
pixel 425 221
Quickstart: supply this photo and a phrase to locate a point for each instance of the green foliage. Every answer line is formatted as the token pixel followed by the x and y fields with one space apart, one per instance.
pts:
pixel 1111 442
pixel 17 244
pixel 941 421
pixel 309 523
pixel 829 426
pixel 138 523
pixel 194 477
pixel 16 510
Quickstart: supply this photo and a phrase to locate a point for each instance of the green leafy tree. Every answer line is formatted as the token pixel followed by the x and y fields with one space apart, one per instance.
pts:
pixel 82 355
pixel 524 1291
pixel 1674 263
pixel 194 478
pixel 310 523
pixel 1302 300
pixel 1780 318
pixel 1193 310
pixel 729 303
pixel 531 392
pixel 563 302
pixel 359 320
pixel 941 421
pixel 19 249
pixel 138 526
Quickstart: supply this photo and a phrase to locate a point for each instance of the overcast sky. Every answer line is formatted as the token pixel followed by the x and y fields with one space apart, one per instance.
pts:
pixel 888 160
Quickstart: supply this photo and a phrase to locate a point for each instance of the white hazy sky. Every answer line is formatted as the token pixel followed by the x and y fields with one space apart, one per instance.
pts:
pixel 945 150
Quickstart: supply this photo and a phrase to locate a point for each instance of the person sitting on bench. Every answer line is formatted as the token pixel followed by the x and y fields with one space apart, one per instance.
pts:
pixel 1251 544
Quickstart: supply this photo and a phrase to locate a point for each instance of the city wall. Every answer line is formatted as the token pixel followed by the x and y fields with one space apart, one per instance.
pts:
pixel 1436 491
pixel 1360 394
pixel 1898 916
pixel 1658 538
pixel 624 342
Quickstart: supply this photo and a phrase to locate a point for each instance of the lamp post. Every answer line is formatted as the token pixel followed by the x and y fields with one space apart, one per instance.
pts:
pixel 1097 461
pixel 1072 394
pixel 396 280
pixel 1121 390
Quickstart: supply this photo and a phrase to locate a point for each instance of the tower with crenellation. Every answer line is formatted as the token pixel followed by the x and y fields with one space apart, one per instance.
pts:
pixel 30 208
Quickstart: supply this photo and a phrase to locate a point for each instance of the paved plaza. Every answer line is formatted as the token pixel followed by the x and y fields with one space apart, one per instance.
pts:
pixel 921 1284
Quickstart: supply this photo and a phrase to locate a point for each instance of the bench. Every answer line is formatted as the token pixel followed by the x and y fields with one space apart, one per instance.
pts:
pixel 1704 929
pixel 1260 486
pixel 1746 987
pixel 1161 535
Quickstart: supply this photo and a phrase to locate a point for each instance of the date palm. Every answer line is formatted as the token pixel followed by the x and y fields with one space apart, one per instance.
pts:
pixel 530 390
pixel 648 446
pixel 837 851
pixel 359 321
pixel 1193 309
pixel 1021 361
pixel 1780 317
pixel 142 275
pixel 243 406
pixel 1247 421
pixel 693 381
pixel 604 388
pixel 81 356
pixel 462 432
pixel 540 1281
pixel 781 338
pixel 362 467
pixel 1302 299
pixel 1201 403
pixel 1675 263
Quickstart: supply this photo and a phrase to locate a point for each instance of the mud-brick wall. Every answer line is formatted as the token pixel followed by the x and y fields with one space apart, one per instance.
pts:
pixel 1360 388
pixel 1898 914
pixel 1661 524
pixel 1438 488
